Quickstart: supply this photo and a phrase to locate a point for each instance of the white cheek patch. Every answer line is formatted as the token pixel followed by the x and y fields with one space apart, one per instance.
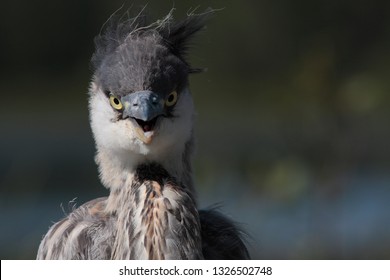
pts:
pixel 108 132
pixel 174 132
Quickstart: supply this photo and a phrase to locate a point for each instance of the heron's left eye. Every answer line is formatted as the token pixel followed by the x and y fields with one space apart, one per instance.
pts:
pixel 171 99
pixel 115 103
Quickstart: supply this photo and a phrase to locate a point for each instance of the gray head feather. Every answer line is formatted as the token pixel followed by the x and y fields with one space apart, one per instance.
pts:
pixel 134 54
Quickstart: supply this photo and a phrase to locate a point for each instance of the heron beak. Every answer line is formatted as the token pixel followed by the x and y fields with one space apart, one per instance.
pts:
pixel 145 137
pixel 143 108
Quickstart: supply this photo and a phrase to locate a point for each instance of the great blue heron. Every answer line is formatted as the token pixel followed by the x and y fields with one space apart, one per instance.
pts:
pixel 141 114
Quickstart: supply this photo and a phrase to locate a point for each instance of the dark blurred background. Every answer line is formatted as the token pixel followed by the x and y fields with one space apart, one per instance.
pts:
pixel 292 127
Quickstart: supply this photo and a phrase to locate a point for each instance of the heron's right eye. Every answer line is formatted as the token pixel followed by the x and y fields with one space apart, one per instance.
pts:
pixel 115 102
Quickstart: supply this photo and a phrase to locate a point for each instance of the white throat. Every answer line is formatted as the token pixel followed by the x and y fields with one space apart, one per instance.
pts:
pixel 117 167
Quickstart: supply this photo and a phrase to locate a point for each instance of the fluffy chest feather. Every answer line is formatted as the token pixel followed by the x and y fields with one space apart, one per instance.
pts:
pixel 157 220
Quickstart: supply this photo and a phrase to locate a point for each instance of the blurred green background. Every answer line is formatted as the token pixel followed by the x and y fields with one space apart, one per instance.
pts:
pixel 292 126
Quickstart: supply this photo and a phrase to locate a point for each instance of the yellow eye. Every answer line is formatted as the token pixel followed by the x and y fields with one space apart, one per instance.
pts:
pixel 115 103
pixel 171 99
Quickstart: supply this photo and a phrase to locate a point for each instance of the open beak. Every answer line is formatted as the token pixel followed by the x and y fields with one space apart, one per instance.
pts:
pixel 143 108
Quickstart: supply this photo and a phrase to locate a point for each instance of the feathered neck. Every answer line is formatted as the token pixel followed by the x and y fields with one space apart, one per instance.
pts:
pixel 117 169
pixel 154 216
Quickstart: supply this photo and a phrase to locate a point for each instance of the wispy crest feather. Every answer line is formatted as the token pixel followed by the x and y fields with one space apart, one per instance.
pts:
pixel 174 35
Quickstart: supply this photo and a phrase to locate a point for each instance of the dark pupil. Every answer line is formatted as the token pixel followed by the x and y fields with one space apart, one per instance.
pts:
pixel 116 101
pixel 170 98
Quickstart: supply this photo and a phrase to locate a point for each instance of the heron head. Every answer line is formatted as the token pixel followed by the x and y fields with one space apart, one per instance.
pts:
pixel 139 96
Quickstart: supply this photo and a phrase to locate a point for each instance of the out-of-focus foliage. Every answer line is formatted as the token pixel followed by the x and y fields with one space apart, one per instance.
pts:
pixel 293 120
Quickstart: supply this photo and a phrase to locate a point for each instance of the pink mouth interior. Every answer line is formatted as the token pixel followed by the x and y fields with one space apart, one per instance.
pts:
pixel 147 125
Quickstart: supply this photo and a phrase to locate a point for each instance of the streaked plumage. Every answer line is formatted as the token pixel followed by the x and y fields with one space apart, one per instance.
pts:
pixel 141 113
